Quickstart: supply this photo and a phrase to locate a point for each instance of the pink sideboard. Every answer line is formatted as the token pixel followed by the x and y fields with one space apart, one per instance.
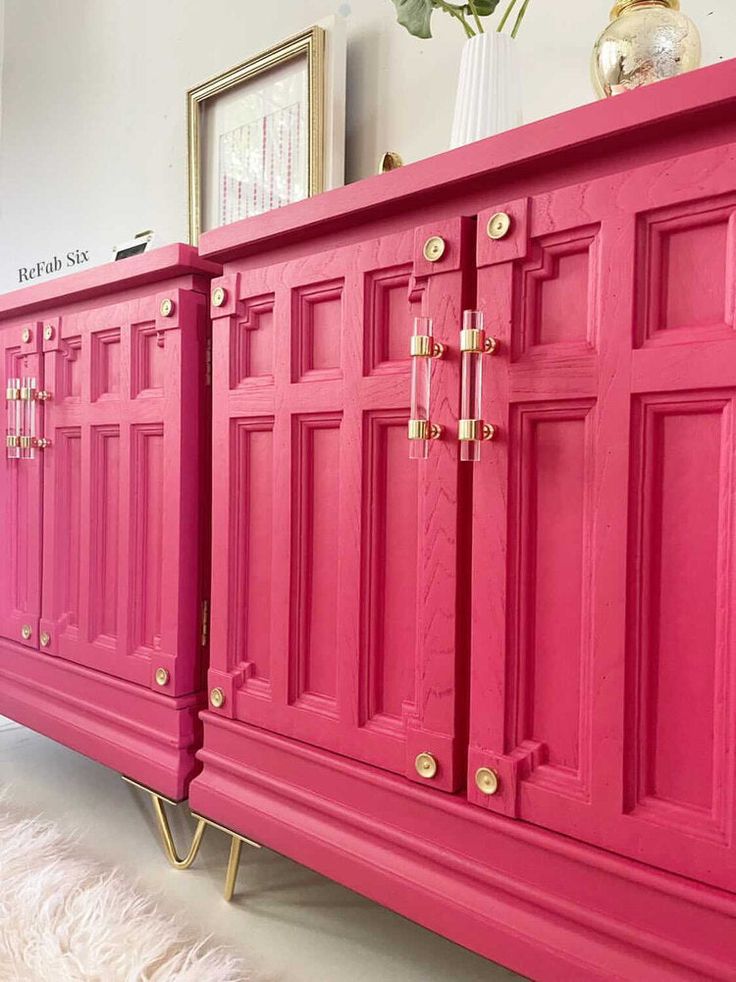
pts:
pixel 103 498
pixel 499 697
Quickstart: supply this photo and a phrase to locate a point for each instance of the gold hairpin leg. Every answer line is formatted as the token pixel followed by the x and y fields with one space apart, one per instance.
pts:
pixel 167 839
pixel 233 863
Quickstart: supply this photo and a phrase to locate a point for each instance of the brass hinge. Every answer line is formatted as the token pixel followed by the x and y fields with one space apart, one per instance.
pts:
pixel 205 634
pixel 208 363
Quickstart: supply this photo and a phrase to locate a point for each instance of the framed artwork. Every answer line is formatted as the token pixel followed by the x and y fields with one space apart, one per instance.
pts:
pixel 267 132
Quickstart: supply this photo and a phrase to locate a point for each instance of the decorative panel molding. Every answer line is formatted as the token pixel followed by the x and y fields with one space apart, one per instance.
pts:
pixel 69 370
pixel 687 272
pixel 680 658
pixel 68 504
pixel 316 330
pixel 316 500
pixel 557 288
pixel 105 364
pixel 390 308
pixel 148 504
pixel 148 360
pixel 252 343
pixel 550 525
pixel 251 549
pixel 389 576
pixel 104 566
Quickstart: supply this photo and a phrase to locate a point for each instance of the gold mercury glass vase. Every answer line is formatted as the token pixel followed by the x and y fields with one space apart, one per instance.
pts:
pixel 646 41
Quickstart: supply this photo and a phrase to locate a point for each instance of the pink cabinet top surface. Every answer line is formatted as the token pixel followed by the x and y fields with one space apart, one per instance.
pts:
pixel 136 273
pixel 630 130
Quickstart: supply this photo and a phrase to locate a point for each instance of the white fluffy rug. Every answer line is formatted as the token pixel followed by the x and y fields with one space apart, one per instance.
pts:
pixel 65 920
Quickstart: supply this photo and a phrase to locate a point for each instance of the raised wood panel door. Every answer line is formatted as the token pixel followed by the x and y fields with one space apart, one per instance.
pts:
pixel 20 498
pixel 335 555
pixel 121 480
pixel 604 657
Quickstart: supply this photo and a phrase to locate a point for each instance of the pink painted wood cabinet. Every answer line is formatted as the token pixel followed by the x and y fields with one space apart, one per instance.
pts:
pixel 496 695
pixel 104 498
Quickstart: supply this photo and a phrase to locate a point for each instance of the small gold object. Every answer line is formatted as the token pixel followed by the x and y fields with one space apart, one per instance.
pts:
pixel 486 780
pixel 43 396
pixel 389 161
pixel 162 676
pixel 646 41
pixel 425 346
pixel 217 698
pixel 499 225
pixel 422 429
pixel 12 441
pixel 426 766
pixel 42 443
pixel 474 339
pixel 26 336
pixel 219 295
pixel 167 307
pixel 434 248
pixel 48 332
pixel 473 430
pixel 45 639
pixel 12 394
pixel 26 632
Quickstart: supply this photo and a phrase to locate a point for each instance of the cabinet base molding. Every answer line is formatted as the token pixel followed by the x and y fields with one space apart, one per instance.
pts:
pixel 542 904
pixel 149 737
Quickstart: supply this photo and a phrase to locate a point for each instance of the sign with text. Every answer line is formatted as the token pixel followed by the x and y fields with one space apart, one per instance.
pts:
pixel 55 264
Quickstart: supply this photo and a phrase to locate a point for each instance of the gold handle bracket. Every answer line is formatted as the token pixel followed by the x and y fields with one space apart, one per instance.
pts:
pixel 474 430
pixel 423 429
pixel 425 346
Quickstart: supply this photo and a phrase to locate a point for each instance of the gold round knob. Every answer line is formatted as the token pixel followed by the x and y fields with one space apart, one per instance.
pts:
pixel 434 248
pixel 162 676
pixel 499 225
pixel 486 780
pixel 219 295
pixel 26 336
pixel 26 632
pixel 167 307
pixel 217 698
pixel 48 332
pixel 45 639
pixel 426 766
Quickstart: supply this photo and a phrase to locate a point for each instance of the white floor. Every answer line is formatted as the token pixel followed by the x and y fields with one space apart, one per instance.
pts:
pixel 290 924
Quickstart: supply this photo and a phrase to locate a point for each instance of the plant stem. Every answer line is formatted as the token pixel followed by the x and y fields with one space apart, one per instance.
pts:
pixel 506 16
pixel 458 13
pixel 519 19
pixel 471 4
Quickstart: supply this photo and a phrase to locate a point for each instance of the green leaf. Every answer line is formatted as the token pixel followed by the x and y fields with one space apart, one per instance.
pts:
pixel 415 16
pixel 484 8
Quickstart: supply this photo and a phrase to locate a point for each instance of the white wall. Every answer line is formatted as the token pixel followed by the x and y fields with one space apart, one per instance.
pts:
pixel 93 139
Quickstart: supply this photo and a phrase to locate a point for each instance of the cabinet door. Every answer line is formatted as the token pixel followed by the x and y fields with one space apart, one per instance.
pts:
pixel 335 556
pixel 121 503
pixel 604 657
pixel 20 491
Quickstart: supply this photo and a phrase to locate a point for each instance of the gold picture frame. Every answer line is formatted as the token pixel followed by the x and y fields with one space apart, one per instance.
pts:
pixel 309 44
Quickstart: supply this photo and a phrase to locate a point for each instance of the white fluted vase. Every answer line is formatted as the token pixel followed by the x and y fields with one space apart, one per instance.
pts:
pixel 488 90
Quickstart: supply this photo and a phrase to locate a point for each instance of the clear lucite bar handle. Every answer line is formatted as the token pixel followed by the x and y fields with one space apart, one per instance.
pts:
pixel 423 350
pixel 30 436
pixel 14 419
pixel 474 345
